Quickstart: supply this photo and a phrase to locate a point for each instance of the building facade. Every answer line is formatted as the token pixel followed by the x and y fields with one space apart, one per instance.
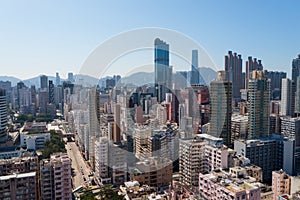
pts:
pixel 233 68
pixel 281 183
pixel 221 110
pixel 162 70
pixel 3 116
pixel 19 186
pixel 258 105
pixel 56 177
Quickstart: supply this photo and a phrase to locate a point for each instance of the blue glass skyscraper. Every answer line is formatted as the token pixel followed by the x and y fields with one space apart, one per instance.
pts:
pixel 162 71
pixel 195 72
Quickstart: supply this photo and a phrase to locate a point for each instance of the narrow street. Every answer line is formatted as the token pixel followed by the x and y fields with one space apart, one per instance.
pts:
pixel 81 170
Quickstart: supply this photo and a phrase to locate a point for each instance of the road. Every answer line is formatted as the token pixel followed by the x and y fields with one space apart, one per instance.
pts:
pixel 78 164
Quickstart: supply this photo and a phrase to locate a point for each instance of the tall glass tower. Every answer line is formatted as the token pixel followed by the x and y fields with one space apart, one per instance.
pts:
pixel 296 68
pixel 221 112
pixel 163 72
pixel 195 72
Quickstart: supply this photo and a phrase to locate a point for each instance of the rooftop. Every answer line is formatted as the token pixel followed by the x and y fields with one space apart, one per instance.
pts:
pixel 24 175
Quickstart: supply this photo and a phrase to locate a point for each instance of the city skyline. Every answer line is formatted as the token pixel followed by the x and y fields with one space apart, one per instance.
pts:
pixel 38 42
pixel 159 100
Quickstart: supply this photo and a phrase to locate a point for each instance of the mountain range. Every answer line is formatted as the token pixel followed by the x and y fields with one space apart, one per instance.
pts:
pixel 139 78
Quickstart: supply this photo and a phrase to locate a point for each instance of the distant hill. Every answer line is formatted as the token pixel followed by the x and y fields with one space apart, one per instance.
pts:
pixel 208 74
pixel 142 78
pixel 85 80
pixel 139 78
pixel 12 79
pixel 36 81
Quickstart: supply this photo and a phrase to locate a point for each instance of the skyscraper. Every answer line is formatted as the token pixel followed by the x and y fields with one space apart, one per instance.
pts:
pixel 3 116
pixel 44 82
pixel 220 97
pixel 194 68
pixel 296 68
pixel 233 68
pixel 43 97
pixel 117 121
pixel 258 105
pixel 251 65
pixel 287 96
pixel 57 79
pixel 51 92
pixel 71 77
pixel 297 98
pixel 163 72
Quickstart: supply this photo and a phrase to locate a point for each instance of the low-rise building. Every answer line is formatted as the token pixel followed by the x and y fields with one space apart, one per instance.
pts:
pixel 281 183
pixel 153 172
pixel 34 141
pixel 132 190
pixel 219 185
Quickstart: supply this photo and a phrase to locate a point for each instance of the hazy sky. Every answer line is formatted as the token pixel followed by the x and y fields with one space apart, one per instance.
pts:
pixel 42 37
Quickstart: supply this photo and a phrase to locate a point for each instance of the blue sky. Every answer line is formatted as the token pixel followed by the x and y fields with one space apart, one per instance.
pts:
pixel 42 37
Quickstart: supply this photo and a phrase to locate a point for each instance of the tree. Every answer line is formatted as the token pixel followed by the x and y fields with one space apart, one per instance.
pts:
pixel 55 145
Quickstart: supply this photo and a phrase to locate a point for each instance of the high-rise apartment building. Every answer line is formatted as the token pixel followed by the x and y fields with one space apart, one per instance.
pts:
pixel 55 177
pixel 271 153
pixel 251 65
pixel 8 89
pixel 19 165
pixel 117 123
pixel 110 162
pixel 290 127
pixel 162 70
pixel 43 99
pixel 3 116
pixel 194 68
pixel 191 155
pixel 19 186
pixel 287 98
pixel 221 111
pixel 275 86
pixel 233 69
pixel 25 101
pixel 102 161
pixel 258 105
